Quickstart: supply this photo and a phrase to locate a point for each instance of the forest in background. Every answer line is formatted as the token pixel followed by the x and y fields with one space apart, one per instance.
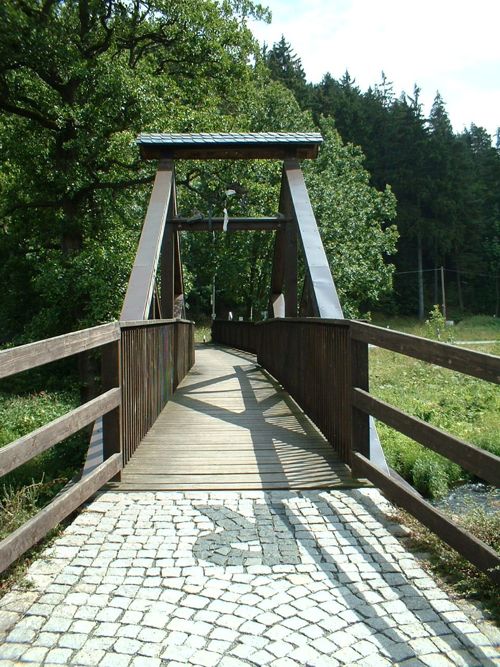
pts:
pixel 80 79
pixel 447 185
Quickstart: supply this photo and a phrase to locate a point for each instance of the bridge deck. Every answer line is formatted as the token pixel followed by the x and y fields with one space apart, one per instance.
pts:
pixel 229 426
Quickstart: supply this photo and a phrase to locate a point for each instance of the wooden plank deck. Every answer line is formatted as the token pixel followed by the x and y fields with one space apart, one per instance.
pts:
pixel 230 427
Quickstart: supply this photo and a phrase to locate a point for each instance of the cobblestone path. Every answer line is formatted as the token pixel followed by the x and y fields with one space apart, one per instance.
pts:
pixel 232 579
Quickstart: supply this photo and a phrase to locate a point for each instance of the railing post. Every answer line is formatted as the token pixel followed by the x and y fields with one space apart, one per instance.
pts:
pixel 111 422
pixel 360 429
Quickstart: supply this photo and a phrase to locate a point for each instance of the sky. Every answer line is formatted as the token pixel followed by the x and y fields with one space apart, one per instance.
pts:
pixel 450 46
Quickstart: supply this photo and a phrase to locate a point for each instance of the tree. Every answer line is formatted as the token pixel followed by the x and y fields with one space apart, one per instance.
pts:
pixel 353 218
pixel 285 66
pixel 79 79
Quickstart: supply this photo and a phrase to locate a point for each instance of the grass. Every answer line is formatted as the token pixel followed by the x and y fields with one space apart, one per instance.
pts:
pixel 464 406
pixel 24 491
pixel 202 333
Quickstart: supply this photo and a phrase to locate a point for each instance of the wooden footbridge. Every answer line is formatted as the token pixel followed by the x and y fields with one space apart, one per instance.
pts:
pixel 280 404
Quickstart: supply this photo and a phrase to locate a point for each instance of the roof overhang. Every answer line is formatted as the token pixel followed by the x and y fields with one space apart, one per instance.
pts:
pixel 231 146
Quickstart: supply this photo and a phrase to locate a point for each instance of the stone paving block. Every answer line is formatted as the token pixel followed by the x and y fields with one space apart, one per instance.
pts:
pixel 115 660
pixel 72 640
pixel 12 651
pixel 205 658
pixel 59 656
pixel 142 661
pixel 35 655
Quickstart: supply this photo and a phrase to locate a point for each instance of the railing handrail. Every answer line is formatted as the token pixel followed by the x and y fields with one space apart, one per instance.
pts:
pixel 470 362
pixel 25 357
pixel 128 324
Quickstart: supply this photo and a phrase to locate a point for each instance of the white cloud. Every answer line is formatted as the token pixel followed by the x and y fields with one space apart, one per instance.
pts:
pixel 444 45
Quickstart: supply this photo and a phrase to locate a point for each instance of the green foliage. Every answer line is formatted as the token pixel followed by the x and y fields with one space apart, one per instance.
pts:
pixel 285 66
pixel 353 218
pixel 436 326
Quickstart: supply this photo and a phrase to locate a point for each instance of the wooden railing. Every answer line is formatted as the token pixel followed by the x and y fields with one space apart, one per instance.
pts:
pixel 25 357
pixel 324 365
pixel 155 356
pixel 242 335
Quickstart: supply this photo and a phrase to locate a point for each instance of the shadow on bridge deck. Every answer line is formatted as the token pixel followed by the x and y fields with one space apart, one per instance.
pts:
pixel 229 426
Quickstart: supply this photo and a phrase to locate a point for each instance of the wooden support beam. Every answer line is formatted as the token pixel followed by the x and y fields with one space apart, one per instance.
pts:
pixel 477 461
pixel 290 251
pixel 179 305
pixel 277 299
pixel 140 288
pixel 238 224
pixel 167 266
pixel 318 269
pixel 477 552
pixel 308 306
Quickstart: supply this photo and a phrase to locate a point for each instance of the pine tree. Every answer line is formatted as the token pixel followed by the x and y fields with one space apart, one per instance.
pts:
pixel 285 66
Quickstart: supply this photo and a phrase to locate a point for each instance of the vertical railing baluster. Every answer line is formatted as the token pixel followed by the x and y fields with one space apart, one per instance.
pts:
pixel 111 422
pixel 360 439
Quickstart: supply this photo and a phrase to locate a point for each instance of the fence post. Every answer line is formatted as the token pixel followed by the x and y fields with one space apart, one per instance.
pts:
pixel 360 430
pixel 111 422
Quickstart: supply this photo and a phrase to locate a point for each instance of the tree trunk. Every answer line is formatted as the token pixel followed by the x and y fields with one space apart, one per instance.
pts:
pixel 436 275
pixel 421 305
pixel 459 289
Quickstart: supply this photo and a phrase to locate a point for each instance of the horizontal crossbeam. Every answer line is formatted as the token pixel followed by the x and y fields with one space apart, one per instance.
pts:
pixel 234 224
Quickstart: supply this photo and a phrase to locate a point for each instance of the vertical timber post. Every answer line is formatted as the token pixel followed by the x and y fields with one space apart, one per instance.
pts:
pixel 168 259
pixel 290 251
pixel 360 429
pixel 111 422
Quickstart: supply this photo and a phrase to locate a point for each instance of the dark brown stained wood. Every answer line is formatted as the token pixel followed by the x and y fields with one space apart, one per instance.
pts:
pixel 36 442
pixel 155 356
pixel 317 266
pixel 478 461
pixel 167 272
pixel 149 323
pixel 233 146
pixel 179 301
pixel 229 153
pixel 477 364
pixel 23 357
pixel 242 335
pixel 111 421
pixel 276 307
pixel 312 362
pixel 477 552
pixel 234 224
pixel 142 278
pixel 167 261
pixel 62 506
pixel 231 426
pixel 360 421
